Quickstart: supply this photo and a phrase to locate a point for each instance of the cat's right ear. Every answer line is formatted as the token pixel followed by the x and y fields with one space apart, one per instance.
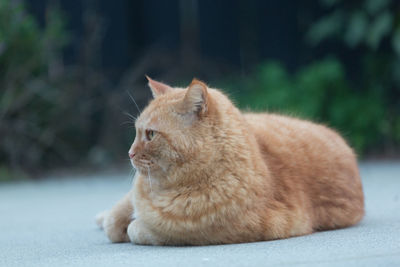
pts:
pixel 158 88
pixel 196 98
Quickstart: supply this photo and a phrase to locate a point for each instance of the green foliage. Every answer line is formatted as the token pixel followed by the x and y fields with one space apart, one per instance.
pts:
pixel 357 23
pixel 29 100
pixel 371 29
pixel 51 114
pixel 319 92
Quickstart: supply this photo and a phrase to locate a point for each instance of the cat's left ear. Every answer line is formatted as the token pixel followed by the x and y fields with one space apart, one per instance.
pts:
pixel 158 88
pixel 196 98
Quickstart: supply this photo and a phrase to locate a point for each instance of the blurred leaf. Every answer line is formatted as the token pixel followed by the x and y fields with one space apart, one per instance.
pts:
pixel 329 3
pixel 55 34
pixel 27 120
pixel 320 92
pixel 380 27
pixel 356 30
pixel 396 42
pixel 366 27
pixel 327 26
pixel 374 6
pixel 396 71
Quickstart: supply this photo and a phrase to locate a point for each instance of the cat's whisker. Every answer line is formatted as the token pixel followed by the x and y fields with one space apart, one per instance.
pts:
pixel 148 176
pixel 132 172
pixel 134 175
pixel 130 116
pixel 134 101
pixel 127 122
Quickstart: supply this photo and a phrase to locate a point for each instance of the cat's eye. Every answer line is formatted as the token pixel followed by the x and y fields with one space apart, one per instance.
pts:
pixel 149 134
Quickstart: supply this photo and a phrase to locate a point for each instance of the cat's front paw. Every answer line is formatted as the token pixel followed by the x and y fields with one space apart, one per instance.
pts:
pixel 100 218
pixel 115 229
pixel 139 234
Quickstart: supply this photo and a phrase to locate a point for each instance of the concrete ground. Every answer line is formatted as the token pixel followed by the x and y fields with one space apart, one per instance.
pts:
pixel 51 223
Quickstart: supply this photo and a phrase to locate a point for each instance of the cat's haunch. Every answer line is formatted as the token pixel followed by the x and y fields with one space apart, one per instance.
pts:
pixel 210 174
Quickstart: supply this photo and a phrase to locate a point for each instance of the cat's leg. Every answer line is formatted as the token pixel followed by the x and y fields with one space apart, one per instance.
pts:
pixel 140 234
pixel 115 221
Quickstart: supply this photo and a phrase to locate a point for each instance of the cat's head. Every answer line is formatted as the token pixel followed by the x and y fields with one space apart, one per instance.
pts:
pixel 174 128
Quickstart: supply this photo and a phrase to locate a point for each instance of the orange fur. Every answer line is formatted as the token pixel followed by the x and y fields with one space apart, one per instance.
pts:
pixel 212 175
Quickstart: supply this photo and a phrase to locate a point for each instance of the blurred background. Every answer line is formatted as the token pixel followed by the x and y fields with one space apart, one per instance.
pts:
pixel 69 70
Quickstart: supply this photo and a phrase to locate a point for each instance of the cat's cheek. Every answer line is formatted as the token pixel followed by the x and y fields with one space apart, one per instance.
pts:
pixel 168 159
pixel 163 166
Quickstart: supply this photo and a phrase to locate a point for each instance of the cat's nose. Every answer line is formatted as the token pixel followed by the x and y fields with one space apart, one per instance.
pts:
pixel 131 155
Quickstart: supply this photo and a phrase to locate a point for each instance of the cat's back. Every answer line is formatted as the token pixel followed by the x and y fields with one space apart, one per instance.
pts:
pixel 292 137
pixel 311 161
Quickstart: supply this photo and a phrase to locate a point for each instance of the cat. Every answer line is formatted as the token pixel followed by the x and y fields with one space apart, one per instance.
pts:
pixel 209 174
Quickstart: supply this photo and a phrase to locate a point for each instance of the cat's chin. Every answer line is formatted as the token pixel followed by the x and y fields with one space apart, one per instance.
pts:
pixel 155 173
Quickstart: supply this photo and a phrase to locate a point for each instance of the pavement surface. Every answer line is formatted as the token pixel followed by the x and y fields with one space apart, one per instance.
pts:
pixel 51 223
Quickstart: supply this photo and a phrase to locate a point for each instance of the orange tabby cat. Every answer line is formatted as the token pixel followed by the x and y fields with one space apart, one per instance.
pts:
pixel 209 174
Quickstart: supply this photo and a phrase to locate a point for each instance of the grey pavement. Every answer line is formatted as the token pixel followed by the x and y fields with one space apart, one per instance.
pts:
pixel 51 223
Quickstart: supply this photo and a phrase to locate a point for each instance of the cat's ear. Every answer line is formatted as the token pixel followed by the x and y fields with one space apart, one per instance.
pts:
pixel 158 88
pixel 195 99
